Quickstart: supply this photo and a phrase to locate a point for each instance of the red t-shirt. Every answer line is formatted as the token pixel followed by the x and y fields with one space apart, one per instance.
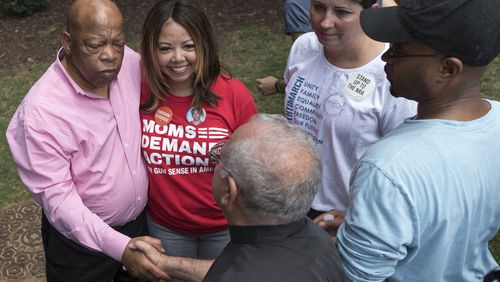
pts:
pixel 176 143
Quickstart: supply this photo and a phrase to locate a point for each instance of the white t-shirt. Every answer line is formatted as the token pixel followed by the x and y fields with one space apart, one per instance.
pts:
pixel 343 110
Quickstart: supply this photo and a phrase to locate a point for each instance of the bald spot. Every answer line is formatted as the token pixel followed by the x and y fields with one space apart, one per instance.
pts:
pixel 89 14
pixel 291 159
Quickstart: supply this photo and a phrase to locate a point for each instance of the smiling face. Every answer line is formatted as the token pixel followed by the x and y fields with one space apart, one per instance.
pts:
pixel 176 54
pixel 336 22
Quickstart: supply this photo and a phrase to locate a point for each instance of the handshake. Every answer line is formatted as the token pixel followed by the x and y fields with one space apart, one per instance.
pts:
pixel 144 258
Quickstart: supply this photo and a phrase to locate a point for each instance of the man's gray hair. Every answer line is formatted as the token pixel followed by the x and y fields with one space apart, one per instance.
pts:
pixel 276 168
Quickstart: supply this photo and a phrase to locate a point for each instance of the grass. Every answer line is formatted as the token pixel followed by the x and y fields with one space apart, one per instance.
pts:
pixel 13 87
pixel 249 54
pixel 253 53
pixel 490 85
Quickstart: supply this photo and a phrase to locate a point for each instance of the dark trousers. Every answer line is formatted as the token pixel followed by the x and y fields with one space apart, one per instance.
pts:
pixel 66 260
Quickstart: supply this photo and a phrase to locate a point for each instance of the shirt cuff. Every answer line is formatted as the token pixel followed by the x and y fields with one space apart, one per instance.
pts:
pixel 114 244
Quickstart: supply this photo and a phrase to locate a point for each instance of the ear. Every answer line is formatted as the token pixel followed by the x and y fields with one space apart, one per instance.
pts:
pixel 66 42
pixel 451 67
pixel 231 194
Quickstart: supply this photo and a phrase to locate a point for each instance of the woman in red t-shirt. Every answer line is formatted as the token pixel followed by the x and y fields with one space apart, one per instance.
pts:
pixel 187 106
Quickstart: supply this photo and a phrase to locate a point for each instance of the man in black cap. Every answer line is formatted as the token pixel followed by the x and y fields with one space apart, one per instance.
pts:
pixel 424 200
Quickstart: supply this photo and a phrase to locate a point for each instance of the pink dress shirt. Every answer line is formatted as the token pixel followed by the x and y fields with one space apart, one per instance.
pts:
pixel 79 154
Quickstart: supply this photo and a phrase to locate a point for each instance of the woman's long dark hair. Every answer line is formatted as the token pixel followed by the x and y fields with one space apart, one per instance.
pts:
pixel 189 15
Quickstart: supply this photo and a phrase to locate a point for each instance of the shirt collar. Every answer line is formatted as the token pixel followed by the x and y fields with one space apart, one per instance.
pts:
pixel 265 233
pixel 62 71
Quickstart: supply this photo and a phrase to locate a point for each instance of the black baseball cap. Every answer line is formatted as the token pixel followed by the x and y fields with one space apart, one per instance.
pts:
pixel 465 29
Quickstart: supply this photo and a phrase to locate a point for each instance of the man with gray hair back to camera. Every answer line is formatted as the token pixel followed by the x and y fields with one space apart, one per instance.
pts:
pixel 265 179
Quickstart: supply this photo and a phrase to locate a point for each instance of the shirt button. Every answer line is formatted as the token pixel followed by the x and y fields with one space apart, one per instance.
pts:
pixel 126 145
pixel 134 172
pixel 138 198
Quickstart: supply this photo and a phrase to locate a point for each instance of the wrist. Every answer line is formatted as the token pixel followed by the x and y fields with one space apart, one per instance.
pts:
pixel 277 86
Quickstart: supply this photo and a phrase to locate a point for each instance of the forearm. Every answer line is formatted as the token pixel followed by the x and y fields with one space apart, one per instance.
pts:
pixel 44 155
pixel 67 213
pixel 187 269
pixel 76 222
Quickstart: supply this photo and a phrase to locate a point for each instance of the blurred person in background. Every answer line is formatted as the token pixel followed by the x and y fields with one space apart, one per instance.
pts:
pixel 297 22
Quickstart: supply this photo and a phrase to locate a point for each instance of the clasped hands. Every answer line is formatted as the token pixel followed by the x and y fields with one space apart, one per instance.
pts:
pixel 142 258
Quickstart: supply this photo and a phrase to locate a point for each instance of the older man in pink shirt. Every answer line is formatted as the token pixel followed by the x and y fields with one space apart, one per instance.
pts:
pixel 76 141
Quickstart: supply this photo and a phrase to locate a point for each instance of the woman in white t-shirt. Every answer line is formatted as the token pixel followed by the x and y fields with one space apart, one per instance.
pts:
pixel 337 91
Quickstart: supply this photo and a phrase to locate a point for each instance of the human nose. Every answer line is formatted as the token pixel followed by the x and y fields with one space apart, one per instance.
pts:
pixel 328 21
pixel 178 56
pixel 109 53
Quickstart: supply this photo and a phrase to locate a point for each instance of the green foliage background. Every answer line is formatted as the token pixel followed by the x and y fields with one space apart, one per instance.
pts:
pixel 23 7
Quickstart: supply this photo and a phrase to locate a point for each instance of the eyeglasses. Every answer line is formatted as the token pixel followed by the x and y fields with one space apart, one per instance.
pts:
pixel 214 156
pixel 214 153
pixel 393 54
